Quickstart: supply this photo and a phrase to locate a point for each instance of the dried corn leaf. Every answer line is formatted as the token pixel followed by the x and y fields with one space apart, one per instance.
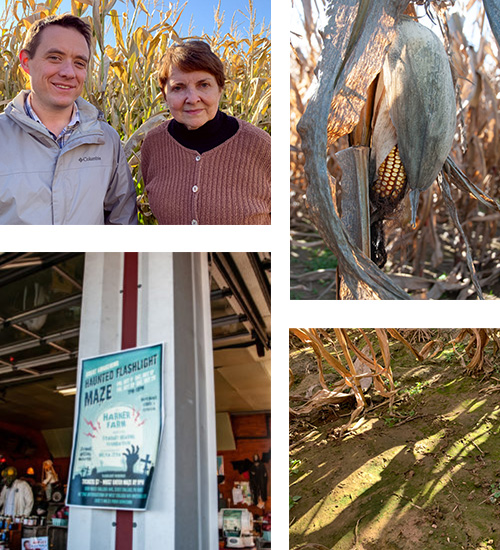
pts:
pixel 367 354
pixel 352 380
pixel 370 361
pixel 479 339
pixel 368 358
pixel 384 346
pixel 321 399
pixel 384 133
pixel 445 188
pixel 436 346
pixel 465 184
pixel 311 337
pixel 362 52
pixel 138 136
pixel 364 373
pixel 395 334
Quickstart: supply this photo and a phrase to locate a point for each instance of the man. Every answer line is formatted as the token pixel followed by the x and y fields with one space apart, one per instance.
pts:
pixel 16 498
pixel 61 163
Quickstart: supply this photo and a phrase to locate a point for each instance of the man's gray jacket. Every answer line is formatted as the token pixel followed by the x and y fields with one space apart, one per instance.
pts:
pixel 86 182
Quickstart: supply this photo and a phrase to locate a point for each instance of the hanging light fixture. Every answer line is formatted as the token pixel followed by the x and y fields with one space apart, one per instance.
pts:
pixel 68 389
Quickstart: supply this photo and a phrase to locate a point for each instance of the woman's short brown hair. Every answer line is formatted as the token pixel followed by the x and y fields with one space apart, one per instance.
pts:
pixel 193 55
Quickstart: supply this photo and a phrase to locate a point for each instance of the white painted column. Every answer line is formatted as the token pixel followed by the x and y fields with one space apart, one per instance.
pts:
pixel 196 447
pixel 173 307
pixel 100 332
pixel 155 323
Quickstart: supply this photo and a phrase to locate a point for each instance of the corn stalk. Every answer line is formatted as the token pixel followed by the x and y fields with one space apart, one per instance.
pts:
pixel 355 36
pixel 358 370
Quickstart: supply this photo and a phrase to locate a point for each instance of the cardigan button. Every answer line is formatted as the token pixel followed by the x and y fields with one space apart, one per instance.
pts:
pixel 194 188
pixel 197 158
pixel 194 222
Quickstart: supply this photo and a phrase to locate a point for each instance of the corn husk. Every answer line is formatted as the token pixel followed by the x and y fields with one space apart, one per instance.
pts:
pixel 492 8
pixel 415 106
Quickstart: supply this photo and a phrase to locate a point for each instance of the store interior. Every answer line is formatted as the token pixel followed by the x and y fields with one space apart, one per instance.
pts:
pixel 40 307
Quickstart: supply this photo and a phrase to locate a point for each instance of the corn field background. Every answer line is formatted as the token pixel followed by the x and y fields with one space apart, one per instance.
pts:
pixel 428 261
pixel 122 77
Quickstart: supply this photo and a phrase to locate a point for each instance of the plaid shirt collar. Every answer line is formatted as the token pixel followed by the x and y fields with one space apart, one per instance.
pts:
pixel 62 138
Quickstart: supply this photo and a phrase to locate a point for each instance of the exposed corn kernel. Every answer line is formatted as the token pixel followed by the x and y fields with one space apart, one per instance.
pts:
pixel 391 176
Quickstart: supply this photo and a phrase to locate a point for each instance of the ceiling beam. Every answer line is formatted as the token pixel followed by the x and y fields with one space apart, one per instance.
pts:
pixel 233 279
pixel 35 342
pixel 21 380
pixel 47 260
pixel 229 320
pixel 42 310
pixel 259 269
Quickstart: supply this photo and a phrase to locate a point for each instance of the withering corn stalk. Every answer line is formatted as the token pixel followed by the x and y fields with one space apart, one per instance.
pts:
pixel 358 367
pixel 474 156
pixel 479 338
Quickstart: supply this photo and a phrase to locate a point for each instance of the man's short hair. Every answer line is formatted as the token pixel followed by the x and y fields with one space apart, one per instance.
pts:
pixel 68 21
pixel 193 55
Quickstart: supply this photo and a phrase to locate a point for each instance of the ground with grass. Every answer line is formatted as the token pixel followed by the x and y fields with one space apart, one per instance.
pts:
pixel 313 269
pixel 424 475
pixel 313 272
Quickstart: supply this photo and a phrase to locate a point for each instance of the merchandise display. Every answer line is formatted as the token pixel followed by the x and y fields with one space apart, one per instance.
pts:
pixel 32 532
pixel 30 519
pixel 245 513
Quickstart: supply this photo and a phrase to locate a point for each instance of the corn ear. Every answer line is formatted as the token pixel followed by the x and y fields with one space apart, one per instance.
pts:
pixel 391 180
pixel 420 96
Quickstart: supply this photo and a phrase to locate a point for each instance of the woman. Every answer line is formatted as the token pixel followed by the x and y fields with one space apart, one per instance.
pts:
pixel 203 166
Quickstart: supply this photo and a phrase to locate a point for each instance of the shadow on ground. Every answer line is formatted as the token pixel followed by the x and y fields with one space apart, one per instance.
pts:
pixel 424 482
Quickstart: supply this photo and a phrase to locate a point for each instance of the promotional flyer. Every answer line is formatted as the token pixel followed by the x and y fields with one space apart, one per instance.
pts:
pixel 35 543
pixel 118 429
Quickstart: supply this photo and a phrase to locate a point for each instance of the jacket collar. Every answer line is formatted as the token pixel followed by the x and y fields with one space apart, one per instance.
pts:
pixel 90 118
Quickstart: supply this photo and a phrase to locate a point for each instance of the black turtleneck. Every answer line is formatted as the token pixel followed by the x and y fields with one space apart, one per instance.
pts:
pixel 206 137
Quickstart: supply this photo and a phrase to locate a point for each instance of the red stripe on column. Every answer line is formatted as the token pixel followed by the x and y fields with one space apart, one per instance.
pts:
pixel 125 518
pixel 129 313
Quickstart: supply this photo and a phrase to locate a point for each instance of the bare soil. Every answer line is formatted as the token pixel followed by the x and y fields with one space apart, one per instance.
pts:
pixel 421 477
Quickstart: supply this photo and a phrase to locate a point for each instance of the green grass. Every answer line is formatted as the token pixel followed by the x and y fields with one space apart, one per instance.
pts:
pixel 495 492
pixel 390 421
pixel 321 259
pixel 294 466
pixel 293 501
pixel 412 391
